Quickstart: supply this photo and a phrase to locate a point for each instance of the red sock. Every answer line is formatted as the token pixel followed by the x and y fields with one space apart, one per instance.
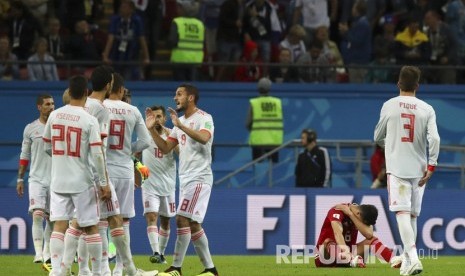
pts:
pixel 381 251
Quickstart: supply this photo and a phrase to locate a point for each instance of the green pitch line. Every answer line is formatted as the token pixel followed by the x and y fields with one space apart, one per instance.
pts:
pixel 250 266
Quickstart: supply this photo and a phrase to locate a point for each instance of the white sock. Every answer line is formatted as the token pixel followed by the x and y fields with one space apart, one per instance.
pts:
pixel 407 235
pixel 57 246
pixel 102 230
pixel 119 261
pixel 200 242
pixel 413 222
pixel 126 232
pixel 38 231
pixel 47 232
pixel 71 242
pixel 182 242
pixel 83 255
pixel 152 234
pixel 94 245
pixel 163 237
pixel 119 239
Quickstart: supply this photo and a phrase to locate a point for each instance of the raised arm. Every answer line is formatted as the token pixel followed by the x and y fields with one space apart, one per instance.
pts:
pixel 164 145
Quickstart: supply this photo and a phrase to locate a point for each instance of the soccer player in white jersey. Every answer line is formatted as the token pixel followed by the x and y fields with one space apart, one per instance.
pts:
pixel 102 82
pixel 72 138
pixel 408 132
pixel 125 120
pixel 32 150
pixel 193 132
pixel 158 191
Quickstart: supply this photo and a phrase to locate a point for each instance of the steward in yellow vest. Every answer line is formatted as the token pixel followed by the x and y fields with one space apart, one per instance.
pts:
pixel 265 122
pixel 187 35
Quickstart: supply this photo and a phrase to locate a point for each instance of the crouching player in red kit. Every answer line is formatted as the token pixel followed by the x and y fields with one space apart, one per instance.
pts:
pixel 337 244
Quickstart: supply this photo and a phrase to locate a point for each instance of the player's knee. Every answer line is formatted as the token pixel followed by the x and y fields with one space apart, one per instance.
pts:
pixel 182 222
pixel 38 215
pixel 115 222
pixel 151 218
pixel 165 222
pixel 195 226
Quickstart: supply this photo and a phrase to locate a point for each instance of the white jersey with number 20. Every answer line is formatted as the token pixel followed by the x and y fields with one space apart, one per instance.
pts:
pixel 73 134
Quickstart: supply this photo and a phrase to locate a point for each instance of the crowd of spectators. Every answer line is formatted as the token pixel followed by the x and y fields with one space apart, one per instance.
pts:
pixel 314 41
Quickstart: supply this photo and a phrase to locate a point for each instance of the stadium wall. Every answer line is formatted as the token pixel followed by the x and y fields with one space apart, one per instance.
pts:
pixel 338 111
pixel 256 221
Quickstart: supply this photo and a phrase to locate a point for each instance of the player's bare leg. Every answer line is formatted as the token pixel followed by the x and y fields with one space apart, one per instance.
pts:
pixel 379 250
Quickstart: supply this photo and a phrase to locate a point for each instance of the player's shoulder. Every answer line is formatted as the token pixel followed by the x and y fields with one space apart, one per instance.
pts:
pixel 335 215
pixel 203 114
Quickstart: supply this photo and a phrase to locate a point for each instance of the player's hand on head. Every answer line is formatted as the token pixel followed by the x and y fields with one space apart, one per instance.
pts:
pixel 105 193
pixel 344 208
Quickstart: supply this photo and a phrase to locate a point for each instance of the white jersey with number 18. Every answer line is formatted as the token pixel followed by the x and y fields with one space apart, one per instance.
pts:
pixel 162 178
pixel 407 128
pixel 73 134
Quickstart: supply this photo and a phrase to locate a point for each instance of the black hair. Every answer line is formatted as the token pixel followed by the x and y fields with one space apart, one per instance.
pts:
pixel 311 134
pixel 191 90
pixel 101 76
pixel 118 82
pixel 159 107
pixel 42 97
pixel 77 87
pixel 368 214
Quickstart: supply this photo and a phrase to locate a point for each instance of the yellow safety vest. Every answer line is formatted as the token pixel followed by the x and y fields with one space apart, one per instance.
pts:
pixel 267 121
pixel 191 33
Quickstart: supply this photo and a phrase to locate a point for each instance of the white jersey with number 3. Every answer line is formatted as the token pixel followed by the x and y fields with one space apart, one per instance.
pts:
pixel 125 119
pixel 194 158
pixel 73 134
pixel 162 178
pixel 407 128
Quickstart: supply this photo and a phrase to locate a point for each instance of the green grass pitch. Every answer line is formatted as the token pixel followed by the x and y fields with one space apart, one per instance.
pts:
pixel 251 266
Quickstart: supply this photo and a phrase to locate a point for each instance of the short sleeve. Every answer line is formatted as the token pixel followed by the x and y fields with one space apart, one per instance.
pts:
pixel 206 123
pixel 174 134
pixel 335 215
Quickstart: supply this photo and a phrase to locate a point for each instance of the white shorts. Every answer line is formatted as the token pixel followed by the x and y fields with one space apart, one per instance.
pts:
pixel 163 205
pixel 39 197
pixel 109 208
pixel 124 188
pixel 85 204
pixel 405 194
pixel 193 201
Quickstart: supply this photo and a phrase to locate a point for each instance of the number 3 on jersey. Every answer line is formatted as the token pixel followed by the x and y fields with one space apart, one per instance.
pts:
pixel 117 128
pixel 409 127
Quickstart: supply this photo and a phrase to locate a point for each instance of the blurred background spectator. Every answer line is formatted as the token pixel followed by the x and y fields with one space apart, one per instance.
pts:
pixel 126 42
pixel 24 28
pixel 313 65
pixel 229 36
pixel 252 69
pixel 284 72
pixel 313 14
pixel 41 66
pixel 9 69
pixel 356 42
pixel 294 41
pixel 412 45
